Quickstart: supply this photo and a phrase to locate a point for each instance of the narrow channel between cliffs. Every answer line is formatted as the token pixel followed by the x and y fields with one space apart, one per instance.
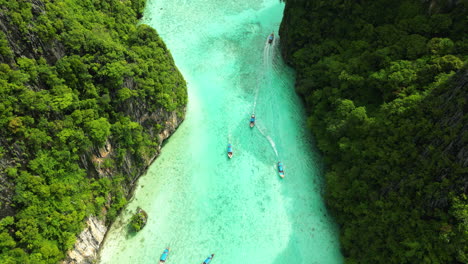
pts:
pixel 200 202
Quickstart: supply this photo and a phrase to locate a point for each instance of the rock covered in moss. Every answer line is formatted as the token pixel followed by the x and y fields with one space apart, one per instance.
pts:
pixel 138 220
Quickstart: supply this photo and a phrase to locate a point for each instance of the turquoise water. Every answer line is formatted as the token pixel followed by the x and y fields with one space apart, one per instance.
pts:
pixel 200 202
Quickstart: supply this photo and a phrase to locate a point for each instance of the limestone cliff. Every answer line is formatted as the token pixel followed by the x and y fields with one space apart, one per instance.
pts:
pixel 88 95
pixel 385 87
pixel 88 243
pixel 86 248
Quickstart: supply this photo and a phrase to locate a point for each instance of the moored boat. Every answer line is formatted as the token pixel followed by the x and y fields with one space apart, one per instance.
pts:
pixel 164 256
pixel 208 260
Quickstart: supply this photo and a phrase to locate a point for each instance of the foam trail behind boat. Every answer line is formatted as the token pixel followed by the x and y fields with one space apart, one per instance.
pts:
pixel 266 53
pixel 270 140
pixel 267 63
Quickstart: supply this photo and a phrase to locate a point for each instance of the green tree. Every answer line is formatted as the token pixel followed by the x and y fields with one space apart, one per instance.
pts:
pixel 99 129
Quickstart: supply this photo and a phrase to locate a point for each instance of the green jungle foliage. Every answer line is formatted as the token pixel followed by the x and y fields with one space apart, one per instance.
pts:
pixel 138 220
pixel 391 120
pixel 68 72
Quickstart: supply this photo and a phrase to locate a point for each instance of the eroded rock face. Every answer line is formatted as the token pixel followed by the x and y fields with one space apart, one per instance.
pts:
pixel 157 124
pixel 88 242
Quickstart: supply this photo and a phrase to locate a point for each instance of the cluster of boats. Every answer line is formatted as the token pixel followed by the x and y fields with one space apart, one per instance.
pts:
pixel 165 254
pixel 252 124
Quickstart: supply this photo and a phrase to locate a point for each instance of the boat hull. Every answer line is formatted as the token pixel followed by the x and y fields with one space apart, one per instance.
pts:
pixel 164 256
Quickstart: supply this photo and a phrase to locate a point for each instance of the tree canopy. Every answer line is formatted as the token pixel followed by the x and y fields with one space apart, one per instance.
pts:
pixel 386 108
pixel 75 76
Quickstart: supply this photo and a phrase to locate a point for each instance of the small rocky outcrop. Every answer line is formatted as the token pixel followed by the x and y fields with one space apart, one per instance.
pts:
pixel 138 220
pixel 88 243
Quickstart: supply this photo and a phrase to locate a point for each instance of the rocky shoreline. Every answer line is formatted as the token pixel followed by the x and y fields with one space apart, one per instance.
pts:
pixel 89 241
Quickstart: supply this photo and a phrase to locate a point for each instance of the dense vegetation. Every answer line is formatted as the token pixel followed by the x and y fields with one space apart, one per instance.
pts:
pixel 74 76
pixel 138 220
pixel 388 110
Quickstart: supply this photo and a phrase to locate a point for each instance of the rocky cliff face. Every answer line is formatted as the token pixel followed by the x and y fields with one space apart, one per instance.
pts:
pixel 85 105
pixel 86 248
pixel 88 243
pixel 451 113
pixel 93 160
pixel 395 151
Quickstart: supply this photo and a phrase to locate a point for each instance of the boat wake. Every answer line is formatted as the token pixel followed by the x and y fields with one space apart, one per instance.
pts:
pixel 270 140
pixel 268 55
pixel 268 66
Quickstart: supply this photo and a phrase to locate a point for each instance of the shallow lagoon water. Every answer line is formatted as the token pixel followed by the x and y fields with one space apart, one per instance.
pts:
pixel 200 202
